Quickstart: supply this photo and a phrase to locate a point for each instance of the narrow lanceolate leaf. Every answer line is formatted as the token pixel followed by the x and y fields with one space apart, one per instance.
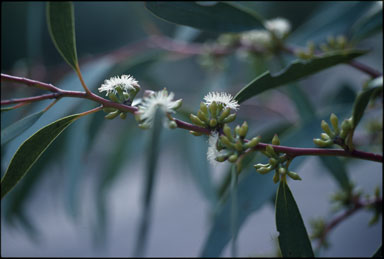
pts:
pixel 293 237
pixel 363 98
pixel 17 128
pixel 369 24
pixel 30 151
pixel 216 17
pixel 298 69
pixel 61 26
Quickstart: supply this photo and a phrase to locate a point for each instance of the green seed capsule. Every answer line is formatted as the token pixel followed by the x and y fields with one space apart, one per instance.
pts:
pixel 213 109
pixel 233 158
pixel 335 123
pixel 195 120
pixel 213 123
pixel 230 118
pixel 224 114
pixel 276 177
pixel 294 175
pixel 112 115
pixel 325 127
pixel 123 115
pixel 194 133
pixel 202 116
pixel 276 140
pixel 204 109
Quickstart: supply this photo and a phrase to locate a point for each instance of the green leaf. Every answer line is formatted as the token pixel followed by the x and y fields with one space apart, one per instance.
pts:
pixel 293 237
pixel 61 26
pixel 31 150
pixel 298 69
pixel 15 129
pixel 218 17
pixel 368 24
pixel 363 98
pixel 378 252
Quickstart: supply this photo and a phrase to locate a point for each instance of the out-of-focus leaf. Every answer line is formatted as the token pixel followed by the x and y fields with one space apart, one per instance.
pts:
pixel 378 253
pixel 234 210
pixel 153 155
pixel 218 17
pixel 61 26
pixel 295 71
pixel 363 99
pixel 293 237
pixel 19 127
pixel 337 168
pixel 368 25
pixel 31 150
pixel 340 17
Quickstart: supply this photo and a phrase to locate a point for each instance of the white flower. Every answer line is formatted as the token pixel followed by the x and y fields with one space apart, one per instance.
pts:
pixel 224 98
pixel 212 151
pixel 256 37
pixel 279 26
pixel 157 100
pixel 125 83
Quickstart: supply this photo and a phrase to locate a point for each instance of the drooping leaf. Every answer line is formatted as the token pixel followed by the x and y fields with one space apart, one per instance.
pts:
pixel 216 17
pixel 152 158
pixel 363 98
pixel 15 129
pixel 293 237
pixel 298 69
pixel 31 150
pixel 61 26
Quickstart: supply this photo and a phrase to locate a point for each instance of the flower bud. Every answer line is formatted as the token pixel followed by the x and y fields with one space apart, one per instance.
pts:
pixel 322 143
pixel 144 126
pixel 239 165
pixel 346 127
pixel 194 133
pixel 213 123
pixel 233 158
pixel 172 125
pixel 204 109
pixel 253 142
pixel 276 140
pixel 202 116
pixel 195 120
pixel 273 162
pixel 112 115
pixel 264 170
pixel 224 114
pixel 238 146
pixel 178 104
pixel 269 151
pixel 243 129
pixel 109 109
pixel 113 97
pixel 221 158
pixel 226 142
pixel 294 175
pixel 282 170
pixel 276 177
pixel 123 115
pixel 230 118
pixel 257 166
pixel 213 109
pixel 325 127
pixel 335 123
pixel 227 132
pixel 324 136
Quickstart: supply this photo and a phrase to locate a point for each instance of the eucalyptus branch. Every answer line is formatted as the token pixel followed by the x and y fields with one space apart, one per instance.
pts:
pixel 290 151
pixel 357 205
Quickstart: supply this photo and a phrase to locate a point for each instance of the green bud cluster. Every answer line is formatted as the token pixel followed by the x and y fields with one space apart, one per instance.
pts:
pixel 121 97
pixel 338 43
pixel 336 135
pixel 234 144
pixel 276 162
pixel 212 116
pixel 307 54
pixel 113 113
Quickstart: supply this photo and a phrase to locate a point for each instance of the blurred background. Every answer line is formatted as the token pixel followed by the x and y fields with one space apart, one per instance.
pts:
pixel 84 196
